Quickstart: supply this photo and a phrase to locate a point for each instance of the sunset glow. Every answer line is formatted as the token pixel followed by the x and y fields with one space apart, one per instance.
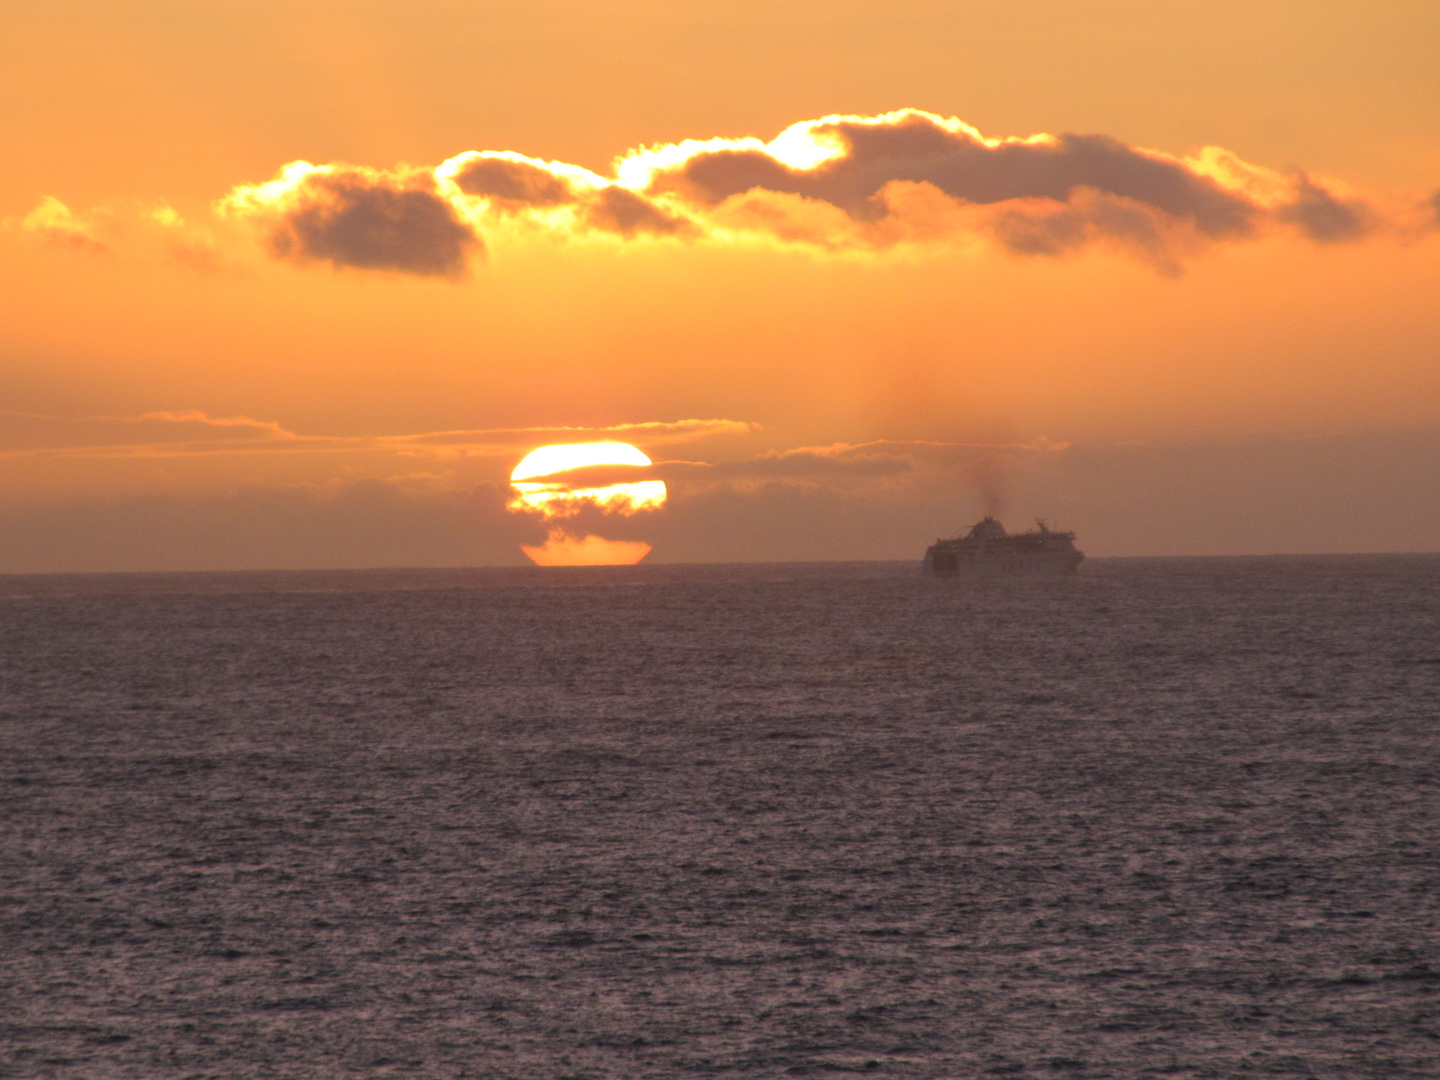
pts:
pixel 311 283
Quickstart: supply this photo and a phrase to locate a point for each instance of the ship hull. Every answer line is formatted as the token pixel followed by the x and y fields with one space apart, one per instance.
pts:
pixel 943 564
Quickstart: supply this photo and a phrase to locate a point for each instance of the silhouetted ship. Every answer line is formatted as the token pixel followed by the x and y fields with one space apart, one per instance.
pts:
pixel 987 549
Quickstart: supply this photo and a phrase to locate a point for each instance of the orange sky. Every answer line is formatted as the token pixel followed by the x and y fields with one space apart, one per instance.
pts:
pixel 1169 355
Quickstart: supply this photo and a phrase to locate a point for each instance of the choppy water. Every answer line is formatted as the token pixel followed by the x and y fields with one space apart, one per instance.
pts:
pixel 1170 817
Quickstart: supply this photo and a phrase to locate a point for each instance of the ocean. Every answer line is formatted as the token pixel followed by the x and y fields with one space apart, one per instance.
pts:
pixel 1169 817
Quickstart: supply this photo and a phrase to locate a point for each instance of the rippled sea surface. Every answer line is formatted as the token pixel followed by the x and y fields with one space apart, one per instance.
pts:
pixel 1166 818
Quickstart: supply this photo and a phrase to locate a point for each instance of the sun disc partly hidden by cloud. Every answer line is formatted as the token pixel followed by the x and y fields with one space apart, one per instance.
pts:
pixel 545 483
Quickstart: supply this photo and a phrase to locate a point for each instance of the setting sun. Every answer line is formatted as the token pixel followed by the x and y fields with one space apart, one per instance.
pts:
pixel 544 483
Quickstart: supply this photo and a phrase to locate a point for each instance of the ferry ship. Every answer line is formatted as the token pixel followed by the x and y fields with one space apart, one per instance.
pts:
pixel 988 550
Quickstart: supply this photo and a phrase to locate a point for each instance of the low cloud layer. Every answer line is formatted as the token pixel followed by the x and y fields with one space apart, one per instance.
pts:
pixel 170 436
pixel 879 458
pixel 157 455
pixel 841 183
pixel 905 469
pixel 1368 492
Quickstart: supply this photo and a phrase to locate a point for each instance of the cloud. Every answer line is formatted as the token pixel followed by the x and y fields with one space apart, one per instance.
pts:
pixel 914 472
pixel 148 231
pixel 520 439
pixel 619 211
pixel 839 183
pixel 803 464
pixel 193 433
pixel 512 184
pixel 592 499
pixel 880 464
pixel 1374 491
pixel 1040 195
pixel 261 428
pixel 865 154
pixel 190 247
pixel 147 435
pixel 1323 216
pixel 56 223
pixel 1043 227
pixel 351 216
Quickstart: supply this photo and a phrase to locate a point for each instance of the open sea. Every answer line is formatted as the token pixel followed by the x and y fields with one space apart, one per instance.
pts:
pixel 1170 817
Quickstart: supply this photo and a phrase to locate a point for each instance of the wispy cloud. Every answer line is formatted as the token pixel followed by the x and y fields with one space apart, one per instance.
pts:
pixel 184 243
pixel 192 433
pixel 837 462
pixel 55 223
pixel 154 231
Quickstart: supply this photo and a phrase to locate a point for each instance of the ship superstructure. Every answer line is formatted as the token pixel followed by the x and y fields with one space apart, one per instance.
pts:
pixel 987 549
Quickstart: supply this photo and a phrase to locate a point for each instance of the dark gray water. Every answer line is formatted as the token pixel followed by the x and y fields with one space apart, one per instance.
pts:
pixel 1170 817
